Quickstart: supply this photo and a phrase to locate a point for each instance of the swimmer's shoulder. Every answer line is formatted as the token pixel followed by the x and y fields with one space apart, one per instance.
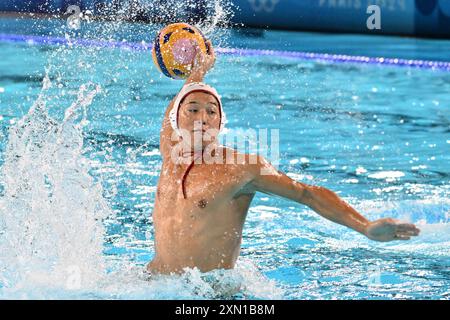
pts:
pixel 232 156
pixel 248 164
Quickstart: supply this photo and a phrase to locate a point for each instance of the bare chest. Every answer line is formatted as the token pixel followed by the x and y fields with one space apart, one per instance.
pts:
pixel 208 188
pixel 201 179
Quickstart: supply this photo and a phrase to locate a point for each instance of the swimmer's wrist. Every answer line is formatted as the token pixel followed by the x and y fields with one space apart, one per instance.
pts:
pixel 362 227
pixel 365 230
pixel 197 75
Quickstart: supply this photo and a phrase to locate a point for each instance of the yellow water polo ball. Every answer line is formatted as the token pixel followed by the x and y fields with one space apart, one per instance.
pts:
pixel 174 49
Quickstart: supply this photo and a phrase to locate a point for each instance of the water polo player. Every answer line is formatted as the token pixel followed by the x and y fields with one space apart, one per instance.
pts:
pixel 201 206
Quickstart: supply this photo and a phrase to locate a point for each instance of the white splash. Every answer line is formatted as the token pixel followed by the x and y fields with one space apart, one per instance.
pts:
pixel 51 211
pixel 388 175
pixel 51 228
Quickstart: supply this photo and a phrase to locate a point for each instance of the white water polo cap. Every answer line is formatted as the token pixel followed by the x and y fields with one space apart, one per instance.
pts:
pixel 187 89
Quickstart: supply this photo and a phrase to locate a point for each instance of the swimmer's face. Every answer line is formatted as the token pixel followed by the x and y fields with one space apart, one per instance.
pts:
pixel 199 115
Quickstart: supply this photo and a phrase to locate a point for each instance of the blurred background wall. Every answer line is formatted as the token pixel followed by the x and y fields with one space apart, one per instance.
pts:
pixel 425 18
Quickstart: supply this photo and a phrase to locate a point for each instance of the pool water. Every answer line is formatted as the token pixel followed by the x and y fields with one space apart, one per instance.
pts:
pixel 80 164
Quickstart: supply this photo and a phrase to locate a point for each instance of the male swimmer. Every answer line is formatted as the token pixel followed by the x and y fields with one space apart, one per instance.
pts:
pixel 201 206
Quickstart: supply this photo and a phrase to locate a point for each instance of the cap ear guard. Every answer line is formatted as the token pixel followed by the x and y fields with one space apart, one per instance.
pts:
pixel 196 86
pixel 173 114
pixel 223 120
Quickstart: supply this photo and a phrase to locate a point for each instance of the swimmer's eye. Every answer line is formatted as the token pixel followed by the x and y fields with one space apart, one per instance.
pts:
pixel 193 110
pixel 212 112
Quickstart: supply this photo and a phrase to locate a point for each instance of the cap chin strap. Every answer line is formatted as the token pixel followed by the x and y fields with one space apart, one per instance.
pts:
pixel 194 156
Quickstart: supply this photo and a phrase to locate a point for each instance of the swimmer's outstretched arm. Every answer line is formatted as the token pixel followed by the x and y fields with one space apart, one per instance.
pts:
pixel 326 203
pixel 201 65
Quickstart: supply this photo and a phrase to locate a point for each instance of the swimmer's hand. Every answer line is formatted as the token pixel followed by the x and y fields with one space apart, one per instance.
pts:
pixel 202 63
pixel 390 229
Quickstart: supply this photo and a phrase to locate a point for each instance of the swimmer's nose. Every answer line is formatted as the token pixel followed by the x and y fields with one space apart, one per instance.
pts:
pixel 200 125
pixel 201 120
pixel 204 117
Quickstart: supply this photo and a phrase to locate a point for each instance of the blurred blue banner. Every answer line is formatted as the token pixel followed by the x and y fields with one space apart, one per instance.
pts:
pixel 403 17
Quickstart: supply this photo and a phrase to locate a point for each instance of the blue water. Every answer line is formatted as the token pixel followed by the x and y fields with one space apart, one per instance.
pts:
pixel 377 136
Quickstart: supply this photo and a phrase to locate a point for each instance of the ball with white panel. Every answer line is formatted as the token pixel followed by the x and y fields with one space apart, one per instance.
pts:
pixel 174 49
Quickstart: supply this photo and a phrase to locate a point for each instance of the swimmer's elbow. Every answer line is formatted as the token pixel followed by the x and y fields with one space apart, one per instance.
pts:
pixel 315 196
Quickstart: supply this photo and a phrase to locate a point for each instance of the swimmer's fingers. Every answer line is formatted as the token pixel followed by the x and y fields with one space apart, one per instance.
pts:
pixel 212 54
pixel 203 61
pixel 210 48
pixel 209 59
pixel 408 229
pixel 198 58
pixel 196 49
pixel 401 237
pixel 388 229
pixel 405 231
